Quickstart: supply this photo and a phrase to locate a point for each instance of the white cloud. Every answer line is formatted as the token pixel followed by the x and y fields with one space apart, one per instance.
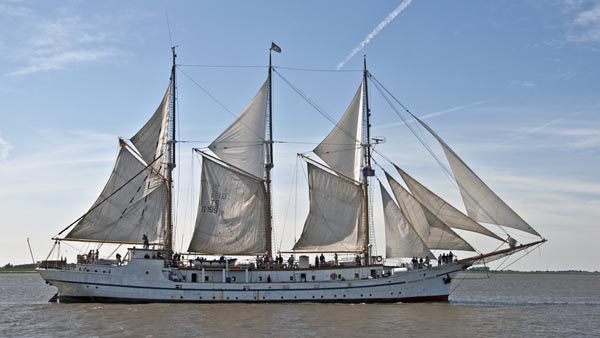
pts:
pixel 586 25
pixel 5 148
pixel 374 32
pixel 54 41
pixel 590 16
pixel 526 84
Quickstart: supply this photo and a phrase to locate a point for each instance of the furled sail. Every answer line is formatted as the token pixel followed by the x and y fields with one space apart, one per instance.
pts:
pixel 482 204
pixel 341 148
pixel 435 233
pixel 401 239
pixel 231 213
pixel 151 140
pixel 334 217
pixel 442 209
pixel 134 209
pixel 242 144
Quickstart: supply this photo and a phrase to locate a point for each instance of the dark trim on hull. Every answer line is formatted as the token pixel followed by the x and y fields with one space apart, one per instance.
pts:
pixel 423 299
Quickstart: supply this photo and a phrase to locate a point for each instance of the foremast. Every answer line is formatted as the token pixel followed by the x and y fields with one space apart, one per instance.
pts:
pixel 171 146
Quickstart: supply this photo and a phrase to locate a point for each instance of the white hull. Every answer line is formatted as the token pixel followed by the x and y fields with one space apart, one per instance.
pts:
pixel 148 281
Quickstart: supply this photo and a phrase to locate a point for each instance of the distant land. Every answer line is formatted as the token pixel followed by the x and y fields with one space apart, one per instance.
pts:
pixel 9 268
pixel 485 269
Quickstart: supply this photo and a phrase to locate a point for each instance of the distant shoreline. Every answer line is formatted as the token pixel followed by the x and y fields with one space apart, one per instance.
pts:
pixel 566 272
pixel 17 270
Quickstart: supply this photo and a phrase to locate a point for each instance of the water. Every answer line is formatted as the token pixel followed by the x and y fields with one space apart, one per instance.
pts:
pixel 507 305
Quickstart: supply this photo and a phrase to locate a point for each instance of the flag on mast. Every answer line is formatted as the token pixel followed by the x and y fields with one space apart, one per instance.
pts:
pixel 275 47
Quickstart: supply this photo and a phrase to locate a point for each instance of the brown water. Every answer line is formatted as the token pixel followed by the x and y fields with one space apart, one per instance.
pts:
pixel 507 305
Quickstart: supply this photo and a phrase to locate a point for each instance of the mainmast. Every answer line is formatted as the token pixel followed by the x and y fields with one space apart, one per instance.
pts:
pixel 366 172
pixel 171 164
pixel 269 161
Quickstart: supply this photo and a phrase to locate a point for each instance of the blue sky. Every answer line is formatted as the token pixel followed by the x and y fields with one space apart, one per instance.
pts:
pixel 512 86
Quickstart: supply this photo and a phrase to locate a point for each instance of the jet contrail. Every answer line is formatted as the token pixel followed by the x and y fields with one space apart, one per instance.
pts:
pixel 375 31
pixel 437 113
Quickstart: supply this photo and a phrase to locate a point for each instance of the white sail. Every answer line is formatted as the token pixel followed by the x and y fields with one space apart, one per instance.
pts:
pixel 482 204
pixel 442 209
pixel 151 140
pixel 334 217
pixel 242 144
pixel 341 148
pixel 435 233
pixel 137 208
pixel 231 213
pixel 401 239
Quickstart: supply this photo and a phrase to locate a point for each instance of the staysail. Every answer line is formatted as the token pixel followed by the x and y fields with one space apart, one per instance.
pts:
pixel 341 148
pixel 435 233
pixel 482 204
pixel 242 144
pixel 333 220
pixel 231 213
pixel 401 239
pixel 442 209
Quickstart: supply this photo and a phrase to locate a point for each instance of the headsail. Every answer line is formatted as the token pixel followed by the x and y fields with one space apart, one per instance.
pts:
pixel 134 209
pixel 401 239
pixel 335 212
pixel 341 148
pixel 231 213
pixel 242 144
pixel 483 205
pixel 442 209
pixel 435 233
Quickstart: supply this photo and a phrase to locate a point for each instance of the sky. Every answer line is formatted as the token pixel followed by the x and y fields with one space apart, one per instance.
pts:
pixel 512 87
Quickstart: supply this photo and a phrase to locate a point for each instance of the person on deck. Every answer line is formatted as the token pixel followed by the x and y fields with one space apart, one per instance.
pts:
pixel 322 259
pixel 316 261
pixel 145 240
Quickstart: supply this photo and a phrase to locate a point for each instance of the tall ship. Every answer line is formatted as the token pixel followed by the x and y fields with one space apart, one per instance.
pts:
pixel 230 257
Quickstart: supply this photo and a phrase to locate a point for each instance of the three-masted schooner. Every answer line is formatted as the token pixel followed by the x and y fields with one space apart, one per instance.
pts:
pixel 234 219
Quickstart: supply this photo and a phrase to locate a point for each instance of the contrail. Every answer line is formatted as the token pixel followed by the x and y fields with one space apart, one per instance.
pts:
pixel 375 31
pixel 437 113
